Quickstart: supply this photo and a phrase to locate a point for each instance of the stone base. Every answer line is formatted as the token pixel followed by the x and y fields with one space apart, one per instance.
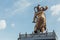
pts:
pixel 38 36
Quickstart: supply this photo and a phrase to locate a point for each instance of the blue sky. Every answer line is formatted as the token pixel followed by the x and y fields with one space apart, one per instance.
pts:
pixel 17 15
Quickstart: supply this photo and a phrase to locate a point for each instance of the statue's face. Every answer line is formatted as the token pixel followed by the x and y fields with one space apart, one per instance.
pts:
pixel 41 8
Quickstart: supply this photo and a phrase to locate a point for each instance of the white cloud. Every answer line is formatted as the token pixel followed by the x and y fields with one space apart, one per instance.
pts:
pixel 58 19
pixel 18 6
pixel 55 10
pixel 2 24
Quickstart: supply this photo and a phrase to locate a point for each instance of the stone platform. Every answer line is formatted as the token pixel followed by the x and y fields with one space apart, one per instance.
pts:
pixel 38 36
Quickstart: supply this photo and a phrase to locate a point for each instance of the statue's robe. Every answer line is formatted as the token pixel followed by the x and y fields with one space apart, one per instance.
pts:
pixel 41 22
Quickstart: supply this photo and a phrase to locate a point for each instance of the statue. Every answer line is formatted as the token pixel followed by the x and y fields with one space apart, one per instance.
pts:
pixel 39 19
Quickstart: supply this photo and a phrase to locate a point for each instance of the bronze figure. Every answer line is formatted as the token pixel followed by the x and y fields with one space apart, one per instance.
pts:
pixel 39 18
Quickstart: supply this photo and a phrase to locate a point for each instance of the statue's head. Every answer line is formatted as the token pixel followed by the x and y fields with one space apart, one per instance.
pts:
pixel 38 4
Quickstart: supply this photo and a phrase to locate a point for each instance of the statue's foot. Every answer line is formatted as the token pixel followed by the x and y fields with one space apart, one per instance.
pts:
pixel 35 31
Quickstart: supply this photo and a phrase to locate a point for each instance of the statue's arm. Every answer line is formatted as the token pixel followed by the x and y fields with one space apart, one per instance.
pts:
pixel 45 8
pixel 35 9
